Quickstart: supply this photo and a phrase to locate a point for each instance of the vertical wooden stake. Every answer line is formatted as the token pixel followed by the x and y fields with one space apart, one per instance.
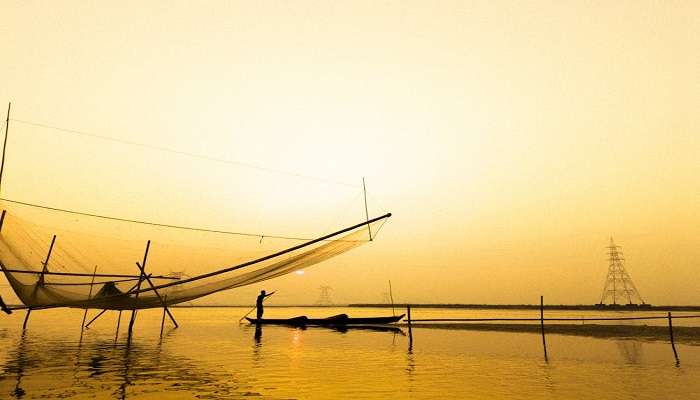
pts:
pixel 410 331
pixel 162 321
pixel 119 320
pixel 138 287
pixel 26 318
pixel 4 144
pixel 92 282
pixel 670 332
pixel 544 342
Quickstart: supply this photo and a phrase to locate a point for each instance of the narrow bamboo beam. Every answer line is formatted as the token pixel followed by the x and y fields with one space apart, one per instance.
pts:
pixel 119 320
pixel 45 269
pixel 26 318
pixel 4 144
pixel 96 316
pixel 410 331
pixel 138 287
pixel 673 344
pixel 82 324
pixel 163 302
pixel 544 342
pixel 162 321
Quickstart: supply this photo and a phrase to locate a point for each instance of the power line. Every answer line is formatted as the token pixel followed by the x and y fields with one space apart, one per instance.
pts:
pixel 183 153
pixel 257 235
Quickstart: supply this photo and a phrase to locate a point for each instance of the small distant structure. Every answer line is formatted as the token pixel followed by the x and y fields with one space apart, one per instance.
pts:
pixel 324 299
pixel 618 284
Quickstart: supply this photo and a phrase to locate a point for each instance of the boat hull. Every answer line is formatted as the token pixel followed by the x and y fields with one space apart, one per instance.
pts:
pixel 336 320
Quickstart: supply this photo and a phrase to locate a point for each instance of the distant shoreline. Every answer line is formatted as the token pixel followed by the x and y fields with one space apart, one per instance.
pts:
pixel 563 307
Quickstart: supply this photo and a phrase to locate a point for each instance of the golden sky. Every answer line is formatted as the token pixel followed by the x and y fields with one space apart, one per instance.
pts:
pixel 509 139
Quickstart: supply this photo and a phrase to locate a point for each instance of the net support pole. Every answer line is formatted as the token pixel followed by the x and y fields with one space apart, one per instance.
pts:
pixel 544 343
pixel 138 287
pixel 162 301
pixel 119 320
pixel 410 331
pixel 95 318
pixel 46 262
pixel 26 318
pixel 4 144
pixel 82 324
pixel 162 321
pixel 364 192
pixel 673 344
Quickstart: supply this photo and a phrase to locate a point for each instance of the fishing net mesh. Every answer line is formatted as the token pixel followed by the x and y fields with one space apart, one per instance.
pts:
pixel 183 264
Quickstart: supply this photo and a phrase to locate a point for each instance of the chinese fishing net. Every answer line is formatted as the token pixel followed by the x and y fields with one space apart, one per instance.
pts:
pixel 94 262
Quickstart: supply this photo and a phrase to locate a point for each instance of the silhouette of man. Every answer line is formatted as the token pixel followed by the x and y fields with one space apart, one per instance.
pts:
pixel 259 302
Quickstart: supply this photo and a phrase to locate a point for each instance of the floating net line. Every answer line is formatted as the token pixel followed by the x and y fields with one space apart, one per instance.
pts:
pixel 93 262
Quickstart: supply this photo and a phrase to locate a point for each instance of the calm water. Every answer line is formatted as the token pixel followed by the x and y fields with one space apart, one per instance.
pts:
pixel 212 356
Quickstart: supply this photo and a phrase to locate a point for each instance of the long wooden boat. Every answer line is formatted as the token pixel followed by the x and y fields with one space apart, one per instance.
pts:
pixel 336 320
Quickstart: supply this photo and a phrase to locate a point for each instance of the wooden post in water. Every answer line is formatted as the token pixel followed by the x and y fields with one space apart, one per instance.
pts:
pixel 26 318
pixel 119 320
pixel 138 287
pixel 162 321
pixel 544 342
pixel 96 316
pixel 670 332
pixel 410 331
pixel 92 282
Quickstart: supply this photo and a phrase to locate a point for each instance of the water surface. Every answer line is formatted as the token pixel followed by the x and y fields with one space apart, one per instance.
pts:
pixel 211 355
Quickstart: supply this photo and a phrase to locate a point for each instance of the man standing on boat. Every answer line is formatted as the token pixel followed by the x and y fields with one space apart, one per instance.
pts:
pixel 259 302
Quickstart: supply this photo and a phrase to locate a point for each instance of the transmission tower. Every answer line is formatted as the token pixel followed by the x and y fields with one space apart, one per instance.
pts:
pixel 618 284
pixel 324 299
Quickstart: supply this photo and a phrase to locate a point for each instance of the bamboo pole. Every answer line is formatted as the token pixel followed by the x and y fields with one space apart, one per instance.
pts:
pixel 4 144
pixel 364 191
pixel 119 320
pixel 410 331
pixel 163 302
pixel 82 324
pixel 96 316
pixel 270 256
pixel 26 318
pixel 670 332
pixel 544 342
pixel 45 269
pixel 162 321
pixel 138 287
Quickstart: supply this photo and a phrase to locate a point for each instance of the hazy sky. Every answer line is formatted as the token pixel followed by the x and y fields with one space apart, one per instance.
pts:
pixel 509 139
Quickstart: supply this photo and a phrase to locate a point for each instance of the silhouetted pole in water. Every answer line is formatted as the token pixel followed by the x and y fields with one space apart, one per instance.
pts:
pixel 410 331
pixel 138 288
pixel 96 316
pixel 82 324
pixel 162 321
pixel 26 318
pixel 670 332
pixel 544 342
pixel 119 321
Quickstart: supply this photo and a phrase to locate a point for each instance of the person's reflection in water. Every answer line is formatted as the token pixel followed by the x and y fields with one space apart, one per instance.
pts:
pixel 258 334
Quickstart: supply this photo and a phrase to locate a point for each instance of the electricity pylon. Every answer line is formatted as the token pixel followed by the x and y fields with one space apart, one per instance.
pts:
pixel 618 284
